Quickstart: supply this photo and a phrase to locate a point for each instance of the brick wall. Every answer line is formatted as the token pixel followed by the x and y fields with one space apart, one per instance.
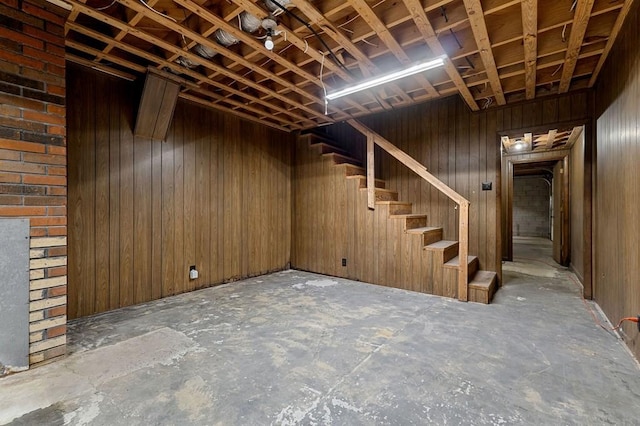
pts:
pixel 531 207
pixel 33 158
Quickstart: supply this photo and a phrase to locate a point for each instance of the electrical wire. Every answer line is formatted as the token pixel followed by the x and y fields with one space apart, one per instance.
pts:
pixel 630 319
pixel 106 7
pixel 324 89
pixel 315 33
pixel 184 40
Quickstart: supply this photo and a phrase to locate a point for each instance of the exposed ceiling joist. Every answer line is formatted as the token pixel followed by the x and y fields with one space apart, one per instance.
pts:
pixel 503 53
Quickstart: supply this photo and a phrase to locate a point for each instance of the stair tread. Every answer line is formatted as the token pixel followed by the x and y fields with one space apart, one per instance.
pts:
pixel 483 280
pixel 422 230
pixel 335 149
pixel 381 190
pixel 364 177
pixel 395 203
pixel 455 262
pixel 345 157
pixel 407 216
pixel 441 245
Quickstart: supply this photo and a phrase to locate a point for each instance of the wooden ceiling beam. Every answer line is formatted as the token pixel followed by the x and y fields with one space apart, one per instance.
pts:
pixel 99 67
pixel 551 138
pixel 573 137
pixel 369 68
pixel 612 38
pixel 392 44
pixel 528 141
pixel 578 29
pixel 179 69
pixel 479 28
pixel 198 59
pixel 257 46
pixel 424 26
pixel 530 37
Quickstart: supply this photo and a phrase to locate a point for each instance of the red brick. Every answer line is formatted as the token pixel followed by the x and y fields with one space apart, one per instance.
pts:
pixel 57 271
pixel 45 180
pixel 56 109
pixel 21 38
pixel 57 291
pixel 42 76
pixel 55 49
pixel 57 130
pixel 15 211
pixel 56 90
pixel 6 154
pixel 17 123
pixel 22 60
pixel 39 232
pixel 10 199
pixel 43 35
pixel 55 69
pixel 57 231
pixel 43 56
pixel 57 171
pixel 58 210
pixel 57 251
pixel 43 117
pixel 56 331
pixel 44 201
pixel 21 146
pixel 58 150
pixel 57 190
pixel 20 167
pixel 10 111
pixel 11 3
pixel 41 13
pixel 10 177
pixel 56 312
pixel 45 221
pixel 20 102
pixel 44 158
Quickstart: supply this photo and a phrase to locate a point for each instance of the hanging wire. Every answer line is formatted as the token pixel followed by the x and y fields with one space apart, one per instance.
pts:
pixel 324 89
pixel 557 69
pixel 184 40
pixel 106 7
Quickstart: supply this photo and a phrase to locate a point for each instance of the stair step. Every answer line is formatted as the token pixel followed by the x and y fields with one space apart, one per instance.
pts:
pixel 397 208
pixel 352 169
pixel 429 234
pixel 411 220
pixel 472 262
pixel 482 287
pixel 341 159
pixel 327 148
pixel 384 194
pixel 449 249
pixel 362 181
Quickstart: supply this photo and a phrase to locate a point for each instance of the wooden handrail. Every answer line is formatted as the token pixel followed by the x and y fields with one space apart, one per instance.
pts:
pixel 374 138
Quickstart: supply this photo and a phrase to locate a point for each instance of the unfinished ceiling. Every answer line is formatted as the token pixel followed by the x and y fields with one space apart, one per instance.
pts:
pixel 498 51
pixel 537 142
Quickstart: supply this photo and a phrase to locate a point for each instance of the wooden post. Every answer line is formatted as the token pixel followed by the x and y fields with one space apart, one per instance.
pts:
pixel 463 253
pixel 371 173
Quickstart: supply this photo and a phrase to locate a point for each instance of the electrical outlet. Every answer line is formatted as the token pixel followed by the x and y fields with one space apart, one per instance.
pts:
pixel 344 262
pixel 193 272
pixel 486 186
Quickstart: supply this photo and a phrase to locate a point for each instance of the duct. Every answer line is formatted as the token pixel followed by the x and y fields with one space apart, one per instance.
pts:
pixel 249 22
pixel 274 8
pixel 186 62
pixel 204 51
pixel 224 38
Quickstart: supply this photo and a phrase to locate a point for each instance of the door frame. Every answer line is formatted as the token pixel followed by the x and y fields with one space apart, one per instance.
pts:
pixel 505 240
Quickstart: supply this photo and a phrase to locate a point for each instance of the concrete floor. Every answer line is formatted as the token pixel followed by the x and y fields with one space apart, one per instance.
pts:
pixel 299 348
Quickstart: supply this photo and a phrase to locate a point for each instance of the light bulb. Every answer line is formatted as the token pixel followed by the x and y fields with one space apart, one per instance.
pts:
pixel 268 43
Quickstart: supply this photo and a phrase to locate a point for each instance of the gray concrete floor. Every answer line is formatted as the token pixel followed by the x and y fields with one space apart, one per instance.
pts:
pixel 299 348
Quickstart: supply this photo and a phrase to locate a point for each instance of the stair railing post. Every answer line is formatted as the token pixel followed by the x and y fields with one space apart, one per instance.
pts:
pixel 463 238
pixel 371 173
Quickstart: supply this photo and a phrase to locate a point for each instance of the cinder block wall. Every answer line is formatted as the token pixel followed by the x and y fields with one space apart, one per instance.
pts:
pixel 33 158
pixel 531 207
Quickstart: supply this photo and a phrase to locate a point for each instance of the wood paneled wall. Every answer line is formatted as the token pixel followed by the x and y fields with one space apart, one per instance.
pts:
pixel 617 192
pixel 215 195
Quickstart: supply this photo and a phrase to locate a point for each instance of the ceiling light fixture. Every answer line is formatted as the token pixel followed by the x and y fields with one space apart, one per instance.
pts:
pixel 268 43
pixel 367 84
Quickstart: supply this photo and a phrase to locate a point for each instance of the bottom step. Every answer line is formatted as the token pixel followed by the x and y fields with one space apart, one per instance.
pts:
pixel 482 287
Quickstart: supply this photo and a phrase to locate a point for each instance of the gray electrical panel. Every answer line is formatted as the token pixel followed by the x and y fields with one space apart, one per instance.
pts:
pixel 14 295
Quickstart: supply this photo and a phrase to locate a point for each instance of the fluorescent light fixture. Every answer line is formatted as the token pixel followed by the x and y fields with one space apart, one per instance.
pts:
pixel 367 84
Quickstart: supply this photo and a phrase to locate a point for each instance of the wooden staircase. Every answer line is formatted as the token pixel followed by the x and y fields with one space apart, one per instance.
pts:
pixel 437 258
